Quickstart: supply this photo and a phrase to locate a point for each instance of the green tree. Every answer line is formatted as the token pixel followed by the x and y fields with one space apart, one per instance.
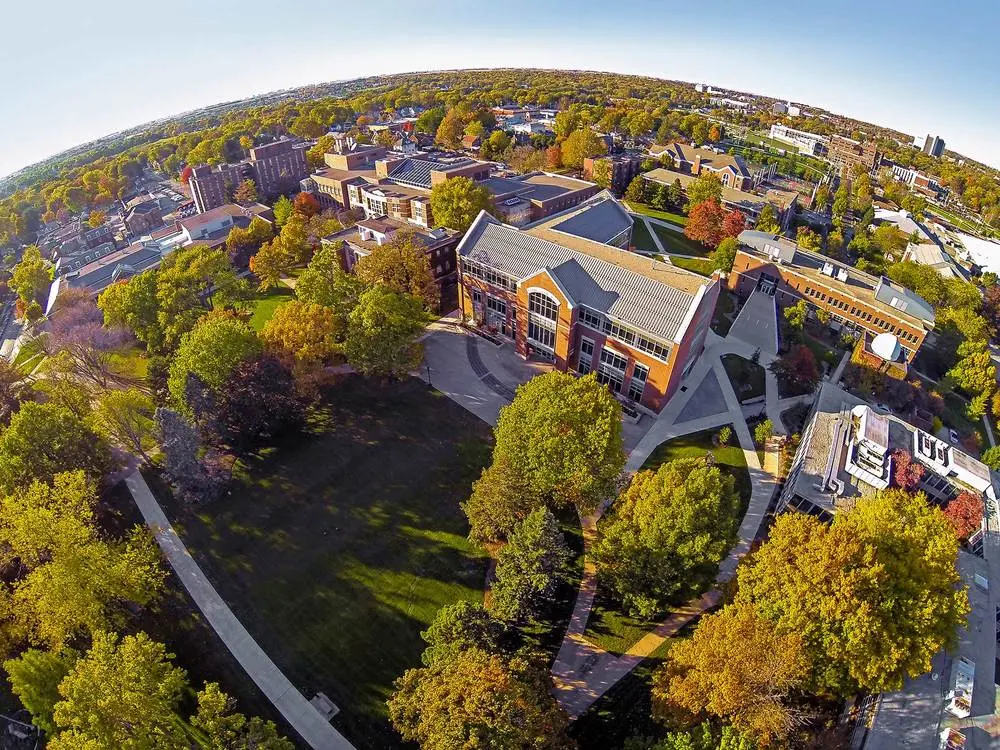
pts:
pixel 133 304
pixel 808 239
pixel 708 186
pixel 667 534
pixel 226 729
pixel 458 627
pixel 477 699
pixel 822 199
pixel 874 595
pixel 323 146
pixel 123 694
pixel 529 567
pixel 500 499
pixel 725 254
pixel 579 145
pixel 675 193
pixel 325 283
pixel 768 220
pixel 382 333
pixel 283 210
pixel 401 265
pixel 125 417
pixel 43 440
pixel 303 332
pixel 271 261
pixel 210 351
pixel 34 677
pixel 991 457
pixel 456 203
pixel 797 314
pixel 763 432
pixel 564 435
pixel 636 192
pixel 841 201
pixel 737 668
pixel 30 279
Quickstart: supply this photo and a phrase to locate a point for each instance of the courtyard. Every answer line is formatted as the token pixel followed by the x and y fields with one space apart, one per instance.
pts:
pixel 337 547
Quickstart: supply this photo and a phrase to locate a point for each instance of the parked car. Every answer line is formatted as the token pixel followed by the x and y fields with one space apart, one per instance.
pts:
pixel 953 436
pixel 882 408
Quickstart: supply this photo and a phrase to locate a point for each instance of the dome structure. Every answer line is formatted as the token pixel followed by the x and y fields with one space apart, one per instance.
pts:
pixel 886 345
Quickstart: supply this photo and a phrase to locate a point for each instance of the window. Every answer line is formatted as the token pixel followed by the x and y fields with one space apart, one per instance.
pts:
pixel 591 319
pixel 541 335
pixel 613 359
pixel 543 305
pixel 612 370
pixel 638 383
pixel 587 347
pixel 477 297
pixel 496 305
pixel 612 379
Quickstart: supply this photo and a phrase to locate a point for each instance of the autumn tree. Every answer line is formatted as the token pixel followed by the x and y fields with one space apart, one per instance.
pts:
pixel 96 219
pixel 382 333
pixel 283 210
pixel 906 472
pixel 34 678
pixel 302 332
pixel 579 145
pixel 529 567
pixel 734 223
pixel 474 695
pixel 768 220
pixel 667 533
pixel 796 370
pixel 246 192
pixel 564 435
pixel 455 203
pixel 705 223
pixel 501 498
pixel 460 626
pixel 450 131
pixel 224 727
pixel 708 186
pixel 401 265
pixel 125 418
pixel 270 263
pixel 305 204
pixel 875 595
pixel 210 351
pixel 30 279
pixel 965 514
pixel 325 283
pixel 736 668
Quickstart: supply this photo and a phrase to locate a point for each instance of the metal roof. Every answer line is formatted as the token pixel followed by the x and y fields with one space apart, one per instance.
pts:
pixel 624 295
pixel 600 222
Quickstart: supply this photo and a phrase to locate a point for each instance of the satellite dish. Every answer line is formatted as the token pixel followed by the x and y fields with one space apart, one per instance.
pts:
pixel 886 345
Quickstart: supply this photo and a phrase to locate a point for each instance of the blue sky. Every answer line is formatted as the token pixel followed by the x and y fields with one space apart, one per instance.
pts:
pixel 74 71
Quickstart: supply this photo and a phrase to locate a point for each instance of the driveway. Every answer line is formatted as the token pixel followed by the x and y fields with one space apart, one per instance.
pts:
pixel 757 324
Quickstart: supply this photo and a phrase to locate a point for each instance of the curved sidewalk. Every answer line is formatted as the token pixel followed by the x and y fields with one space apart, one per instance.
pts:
pixel 315 730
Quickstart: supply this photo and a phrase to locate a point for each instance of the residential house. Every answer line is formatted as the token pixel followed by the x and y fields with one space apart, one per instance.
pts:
pixel 733 171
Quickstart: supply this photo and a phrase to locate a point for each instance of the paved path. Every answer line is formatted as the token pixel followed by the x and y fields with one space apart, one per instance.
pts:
pixel 656 239
pixel 315 730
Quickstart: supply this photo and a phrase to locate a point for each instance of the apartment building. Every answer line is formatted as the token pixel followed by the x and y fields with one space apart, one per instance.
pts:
pixel 275 168
pixel 618 169
pixel 933 145
pixel 845 153
pixel 859 303
pixel 808 144
pixel 733 171
pixel 563 292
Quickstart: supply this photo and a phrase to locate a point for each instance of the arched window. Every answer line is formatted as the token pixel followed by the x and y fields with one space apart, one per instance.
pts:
pixel 542 304
pixel 543 314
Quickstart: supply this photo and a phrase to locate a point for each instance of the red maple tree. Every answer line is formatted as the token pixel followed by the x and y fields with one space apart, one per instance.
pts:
pixel 965 514
pixel 734 223
pixel 705 222
pixel 907 472
pixel 186 175
pixel 306 204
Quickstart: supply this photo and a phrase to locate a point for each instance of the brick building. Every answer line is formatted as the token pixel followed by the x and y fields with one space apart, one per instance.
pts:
pixel 858 302
pixel 733 171
pixel 618 169
pixel 845 153
pixel 563 294
pixel 275 168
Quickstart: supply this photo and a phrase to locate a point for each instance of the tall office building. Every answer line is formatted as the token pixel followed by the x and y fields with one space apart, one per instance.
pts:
pixel 933 145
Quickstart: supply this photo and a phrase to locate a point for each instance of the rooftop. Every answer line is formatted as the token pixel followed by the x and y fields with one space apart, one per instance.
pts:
pixel 600 218
pixel 233 210
pixel 709 158
pixel 102 272
pixel 416 170
pixel 748 202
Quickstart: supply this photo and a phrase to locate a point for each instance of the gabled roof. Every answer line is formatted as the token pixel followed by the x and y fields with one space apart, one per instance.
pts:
pixel 600 219
pixel 642 300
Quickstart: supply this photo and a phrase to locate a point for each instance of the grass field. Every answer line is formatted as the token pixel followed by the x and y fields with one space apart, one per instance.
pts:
pixel 265 303
pixel 642 239
pixel 673 218
pixel 608 626
pixel 701 266
pixel 963 223
pixel 676 242
pixel 337 548
pixel 748 378
pixel 29 355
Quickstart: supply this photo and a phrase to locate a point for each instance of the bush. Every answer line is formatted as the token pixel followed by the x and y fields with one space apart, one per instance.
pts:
pixel 725 435
pixel 763 432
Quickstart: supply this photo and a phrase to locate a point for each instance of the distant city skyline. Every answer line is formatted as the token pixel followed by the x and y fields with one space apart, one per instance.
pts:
pixel 80 72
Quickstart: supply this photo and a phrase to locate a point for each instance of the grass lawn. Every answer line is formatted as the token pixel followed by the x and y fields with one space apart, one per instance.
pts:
pixel 338 547
pixel 263 306
pixel 747 377
pixel 676 242
pixel 642 239
pixel 608 626
pixel 643 208
pixel 701 266
pixel 725 306
pixel 955 416
pixel 29 355
pixel 822 351
pixel 131 362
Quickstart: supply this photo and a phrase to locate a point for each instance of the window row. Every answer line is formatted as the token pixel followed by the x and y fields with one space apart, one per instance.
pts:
pixel 489 275
pixel 861 314
pixel 621 333
pixel 543 305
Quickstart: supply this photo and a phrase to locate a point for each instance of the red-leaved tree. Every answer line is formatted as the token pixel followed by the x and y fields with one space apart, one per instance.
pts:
pixel 186 174
pixel 908 473
pixel 705 222
pixel 734 223
pixel 306 204
pixel 965 514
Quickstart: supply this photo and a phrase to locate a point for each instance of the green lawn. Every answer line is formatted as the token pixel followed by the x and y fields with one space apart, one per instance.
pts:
pixel 131 362
pixel 700 266
pixel 608 626
pixel 337 548
pixel 748 378
pixel 642 239
pixel 643 208
pixel 264 304
pixel 676 242
pixel 29 355
pixel 724 307
pixel 823 351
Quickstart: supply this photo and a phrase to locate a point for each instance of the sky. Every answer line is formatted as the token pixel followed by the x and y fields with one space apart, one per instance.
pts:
pixel 75 71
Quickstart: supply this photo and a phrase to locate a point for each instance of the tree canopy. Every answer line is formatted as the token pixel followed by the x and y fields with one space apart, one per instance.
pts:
pixel 382 333
pixel 456 203
pixel 210 351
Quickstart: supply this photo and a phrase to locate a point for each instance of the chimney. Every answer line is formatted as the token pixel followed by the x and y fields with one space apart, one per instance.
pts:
pixel 696 166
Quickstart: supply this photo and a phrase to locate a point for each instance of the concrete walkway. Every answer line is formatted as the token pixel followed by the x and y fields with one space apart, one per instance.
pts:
pixel 656 239
pixel 315 730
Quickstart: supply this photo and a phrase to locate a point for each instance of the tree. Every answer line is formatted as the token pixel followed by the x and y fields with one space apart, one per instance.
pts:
pixel 449 133
pixel 579 145
pixel 429 120
pixel 636 191
pixel 258 403
pixel 525 159
pixel 841 202
pixel 132 304
pixel 323 146
pixel 675 193
pixel 875 595
pixel 459 627
pixel 211 351
pixel 763 432
pixel 725 254
pixel 822 199
pixel 476 699
pixel 30 279
pixel 808 239
pixel 737 668
pixel 125 417
pixel 965 514
pixel 907 473
pixel 302 332
pixel 34 677
pixel 797 314
pixel 326 283
pixel 708 186
pixel 270 263
pixel 705 223
pixel 667 533
pixel 991 457
pixel 382 333
pixel 797 371
pixel 14 389
pixel 43 440
pixel 283 210
pixel 246 192
pixel 768 220
pixel 122 693
pixel 455 203
pixel 564 435
pixel 70 581
pixel 501 498
pixel 96 219
pixel 401 265
pixel 890 240
pixel 305 204
pixel 228 729
pixel 529 567
pixel 734 223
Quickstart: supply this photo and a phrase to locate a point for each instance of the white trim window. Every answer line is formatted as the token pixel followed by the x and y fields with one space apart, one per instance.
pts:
pixel 637 385
pixel 611 371
pixel 586 363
